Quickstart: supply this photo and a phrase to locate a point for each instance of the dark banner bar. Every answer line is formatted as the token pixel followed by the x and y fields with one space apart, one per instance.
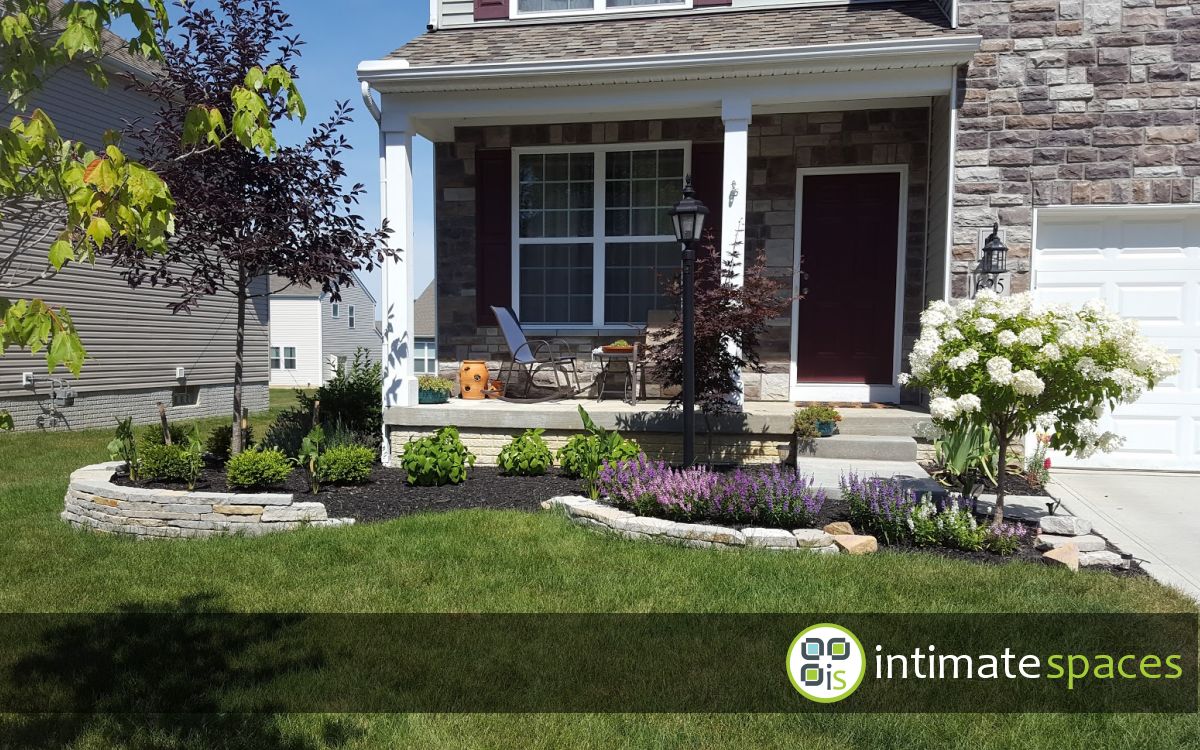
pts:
pixel 211 662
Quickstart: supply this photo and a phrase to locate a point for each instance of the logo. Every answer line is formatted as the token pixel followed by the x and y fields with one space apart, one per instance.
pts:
pixel 826 663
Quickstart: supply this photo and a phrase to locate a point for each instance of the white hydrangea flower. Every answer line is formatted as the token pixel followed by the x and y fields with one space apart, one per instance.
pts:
pixel 952 334
pixel 943 408
pixel 985 325
pixel 1027 383
pixel 962 359
pixel 1031 337
pixel 1072 338
pixel 1000 370
pixel 1089 369
pixel 904 378
pixel 968 402
pixel 1006 338
pixel 1051 352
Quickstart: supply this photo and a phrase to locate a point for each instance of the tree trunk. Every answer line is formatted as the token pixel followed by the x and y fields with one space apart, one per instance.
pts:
pixel 235 440
pixel 1001 470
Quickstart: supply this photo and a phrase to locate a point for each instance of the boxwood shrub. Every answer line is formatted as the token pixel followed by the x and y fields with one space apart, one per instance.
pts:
pixel 164 463
pixel 346 464
pixel 258 469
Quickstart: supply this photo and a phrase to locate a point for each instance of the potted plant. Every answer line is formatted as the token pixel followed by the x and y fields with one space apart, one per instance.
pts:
pixel 815 421
pixel 434 390
pixel 620 346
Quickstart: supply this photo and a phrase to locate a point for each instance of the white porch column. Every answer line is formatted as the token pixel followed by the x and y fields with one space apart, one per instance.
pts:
pixel 396 188
pixel 735 113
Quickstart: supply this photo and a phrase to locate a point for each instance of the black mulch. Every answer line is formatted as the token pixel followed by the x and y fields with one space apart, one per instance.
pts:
pixel 387 495
pixel 1014 484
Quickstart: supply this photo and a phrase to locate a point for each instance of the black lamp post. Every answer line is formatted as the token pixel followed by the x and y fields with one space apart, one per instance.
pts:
pixel 993 260
pixel 688 218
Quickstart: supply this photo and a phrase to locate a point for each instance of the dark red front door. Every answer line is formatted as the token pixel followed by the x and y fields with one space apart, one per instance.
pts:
pixel 847 325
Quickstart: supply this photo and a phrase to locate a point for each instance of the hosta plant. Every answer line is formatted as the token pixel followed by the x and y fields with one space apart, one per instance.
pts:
pixel 1015 364
pixel 526 456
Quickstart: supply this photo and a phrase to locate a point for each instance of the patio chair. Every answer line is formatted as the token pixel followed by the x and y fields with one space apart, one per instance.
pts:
pixel 533 356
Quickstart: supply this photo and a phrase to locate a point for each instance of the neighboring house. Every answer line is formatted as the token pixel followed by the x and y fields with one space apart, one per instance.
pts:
pixel 311 336
pixel 878 142
pixel 140 354
pixel 425 359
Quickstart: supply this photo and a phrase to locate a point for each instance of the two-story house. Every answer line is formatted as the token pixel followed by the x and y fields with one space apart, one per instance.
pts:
pixel 312 335
pixel 876 143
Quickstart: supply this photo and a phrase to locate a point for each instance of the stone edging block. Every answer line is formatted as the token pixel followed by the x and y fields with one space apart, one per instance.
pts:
pixel 93 501
pixel 603 517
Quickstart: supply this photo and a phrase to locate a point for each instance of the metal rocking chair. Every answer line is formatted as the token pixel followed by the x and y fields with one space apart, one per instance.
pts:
pixel 532 357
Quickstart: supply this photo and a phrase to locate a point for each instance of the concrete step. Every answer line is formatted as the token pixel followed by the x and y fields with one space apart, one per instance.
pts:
pixel 893 422
pixel 867 447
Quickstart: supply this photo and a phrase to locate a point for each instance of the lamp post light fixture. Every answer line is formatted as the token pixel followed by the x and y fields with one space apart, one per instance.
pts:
pixel 688 219
pixel 993 261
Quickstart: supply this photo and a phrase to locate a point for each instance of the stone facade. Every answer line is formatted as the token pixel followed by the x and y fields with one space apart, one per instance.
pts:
pixel 100 409
pixel 1073 102
pixel 94 502
pixel 778 145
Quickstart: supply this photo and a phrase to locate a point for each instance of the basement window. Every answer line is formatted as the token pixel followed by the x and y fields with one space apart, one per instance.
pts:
pixel 185 395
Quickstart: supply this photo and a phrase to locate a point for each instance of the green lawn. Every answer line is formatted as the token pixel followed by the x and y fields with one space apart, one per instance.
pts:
pixel 513 562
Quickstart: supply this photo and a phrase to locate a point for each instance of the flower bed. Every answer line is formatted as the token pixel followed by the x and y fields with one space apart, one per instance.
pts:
pixel 774 496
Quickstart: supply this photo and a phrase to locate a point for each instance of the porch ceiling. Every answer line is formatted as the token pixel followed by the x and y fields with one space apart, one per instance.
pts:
pixel 757 29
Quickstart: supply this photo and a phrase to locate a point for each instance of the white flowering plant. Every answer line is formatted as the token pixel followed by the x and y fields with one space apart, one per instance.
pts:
pixel 1016 364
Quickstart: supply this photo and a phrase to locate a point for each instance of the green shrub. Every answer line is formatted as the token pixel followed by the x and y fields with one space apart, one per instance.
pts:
pixel 152 434
pixel 220 438
pixel 434 384
pixel 441 459
pixel 256 469
pixel 584 455
pixel 287 432
pixel 526 456
pixel 349 405
pixel 804 421
pixel 165 463
pixel 347 464
pixel 123 447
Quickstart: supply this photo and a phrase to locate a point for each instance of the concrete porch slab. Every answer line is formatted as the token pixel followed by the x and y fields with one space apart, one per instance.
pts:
pixel 828 471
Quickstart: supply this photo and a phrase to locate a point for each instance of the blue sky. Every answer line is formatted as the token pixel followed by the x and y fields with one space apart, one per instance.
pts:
pixel 338 35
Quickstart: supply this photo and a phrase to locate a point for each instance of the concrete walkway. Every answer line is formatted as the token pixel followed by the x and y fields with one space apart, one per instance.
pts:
pixel 1153 515
pixel 828 471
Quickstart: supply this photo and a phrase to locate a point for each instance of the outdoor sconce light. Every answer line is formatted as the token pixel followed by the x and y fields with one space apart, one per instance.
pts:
pixel 993 261
pixel 688 218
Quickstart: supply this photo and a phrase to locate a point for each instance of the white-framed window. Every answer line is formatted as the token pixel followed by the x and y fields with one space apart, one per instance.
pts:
pixel 335 310
pixel 592 237
pixel 425 356
pixel 350 315
pixel 289 358
pixel 527 8
pixel 275 358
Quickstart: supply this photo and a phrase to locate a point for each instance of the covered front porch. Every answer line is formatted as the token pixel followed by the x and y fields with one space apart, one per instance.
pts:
pixel 832 161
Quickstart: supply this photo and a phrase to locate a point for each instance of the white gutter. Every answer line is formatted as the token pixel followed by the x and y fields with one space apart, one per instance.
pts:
pixel 369 100
pixel 956 48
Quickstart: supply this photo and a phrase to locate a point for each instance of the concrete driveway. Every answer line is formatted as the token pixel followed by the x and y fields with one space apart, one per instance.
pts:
pixel 1153 515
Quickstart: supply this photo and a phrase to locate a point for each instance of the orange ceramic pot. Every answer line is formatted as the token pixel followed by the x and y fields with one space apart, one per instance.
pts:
pixel 473 378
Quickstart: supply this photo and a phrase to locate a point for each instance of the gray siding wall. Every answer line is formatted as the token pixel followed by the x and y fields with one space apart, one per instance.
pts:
pixel 134 341
pixel 337 338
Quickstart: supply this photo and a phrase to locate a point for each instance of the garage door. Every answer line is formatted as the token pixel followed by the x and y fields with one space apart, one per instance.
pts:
pixel 1145 263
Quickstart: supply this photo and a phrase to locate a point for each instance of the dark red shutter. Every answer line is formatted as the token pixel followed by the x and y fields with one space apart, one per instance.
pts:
pixel 707 3
pixel 493 233
pixel 708 165
pixel 489 10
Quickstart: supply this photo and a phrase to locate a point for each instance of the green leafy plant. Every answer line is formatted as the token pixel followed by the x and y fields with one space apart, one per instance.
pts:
pixel 347 464
pixel 349 406
pixel 164 463
pixel 257 469
pixel 804 421
pixel 526 456
pixel 584 455
pixel 965 454
pixel 434 384
pixel 310 455
pixel 152 434
pixel 193 454
pixel 219 440
pixel 620 342
pixel 123 447
pixel 6 421
pixel 437 460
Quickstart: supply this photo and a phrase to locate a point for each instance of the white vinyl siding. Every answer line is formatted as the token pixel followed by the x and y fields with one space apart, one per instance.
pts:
pixel 296 334
pixel 1144 262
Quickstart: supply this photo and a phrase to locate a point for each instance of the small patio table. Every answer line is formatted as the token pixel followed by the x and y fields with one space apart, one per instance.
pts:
pixel 631 362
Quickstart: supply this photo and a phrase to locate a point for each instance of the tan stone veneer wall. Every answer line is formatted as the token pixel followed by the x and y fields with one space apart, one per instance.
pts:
pixel 486 444
pixel 1073 102
pixel 94 502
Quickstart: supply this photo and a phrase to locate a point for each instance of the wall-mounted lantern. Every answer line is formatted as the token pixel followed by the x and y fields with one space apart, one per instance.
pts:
pixel 993 262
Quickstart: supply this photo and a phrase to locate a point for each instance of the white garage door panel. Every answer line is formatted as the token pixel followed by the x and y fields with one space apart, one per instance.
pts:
pixel 1144 262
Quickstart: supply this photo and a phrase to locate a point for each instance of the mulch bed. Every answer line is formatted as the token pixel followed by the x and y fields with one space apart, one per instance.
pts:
pixel 1014 484
pixel 387 495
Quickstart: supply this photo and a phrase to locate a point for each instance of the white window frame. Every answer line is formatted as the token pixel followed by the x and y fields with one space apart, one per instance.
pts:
pixel 334 310
pixel 598 238
pixel 515 12
pixel 284 359
pixel 349 316
pixel 428 357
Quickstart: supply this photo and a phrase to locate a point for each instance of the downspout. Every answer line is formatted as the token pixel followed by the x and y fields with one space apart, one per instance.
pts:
pixel 369 100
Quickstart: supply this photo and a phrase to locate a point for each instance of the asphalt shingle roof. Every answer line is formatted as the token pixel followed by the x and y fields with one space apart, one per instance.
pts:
pixel 682 32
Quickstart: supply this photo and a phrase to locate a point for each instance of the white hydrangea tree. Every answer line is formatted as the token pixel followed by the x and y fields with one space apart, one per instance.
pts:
pixel 1016 365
